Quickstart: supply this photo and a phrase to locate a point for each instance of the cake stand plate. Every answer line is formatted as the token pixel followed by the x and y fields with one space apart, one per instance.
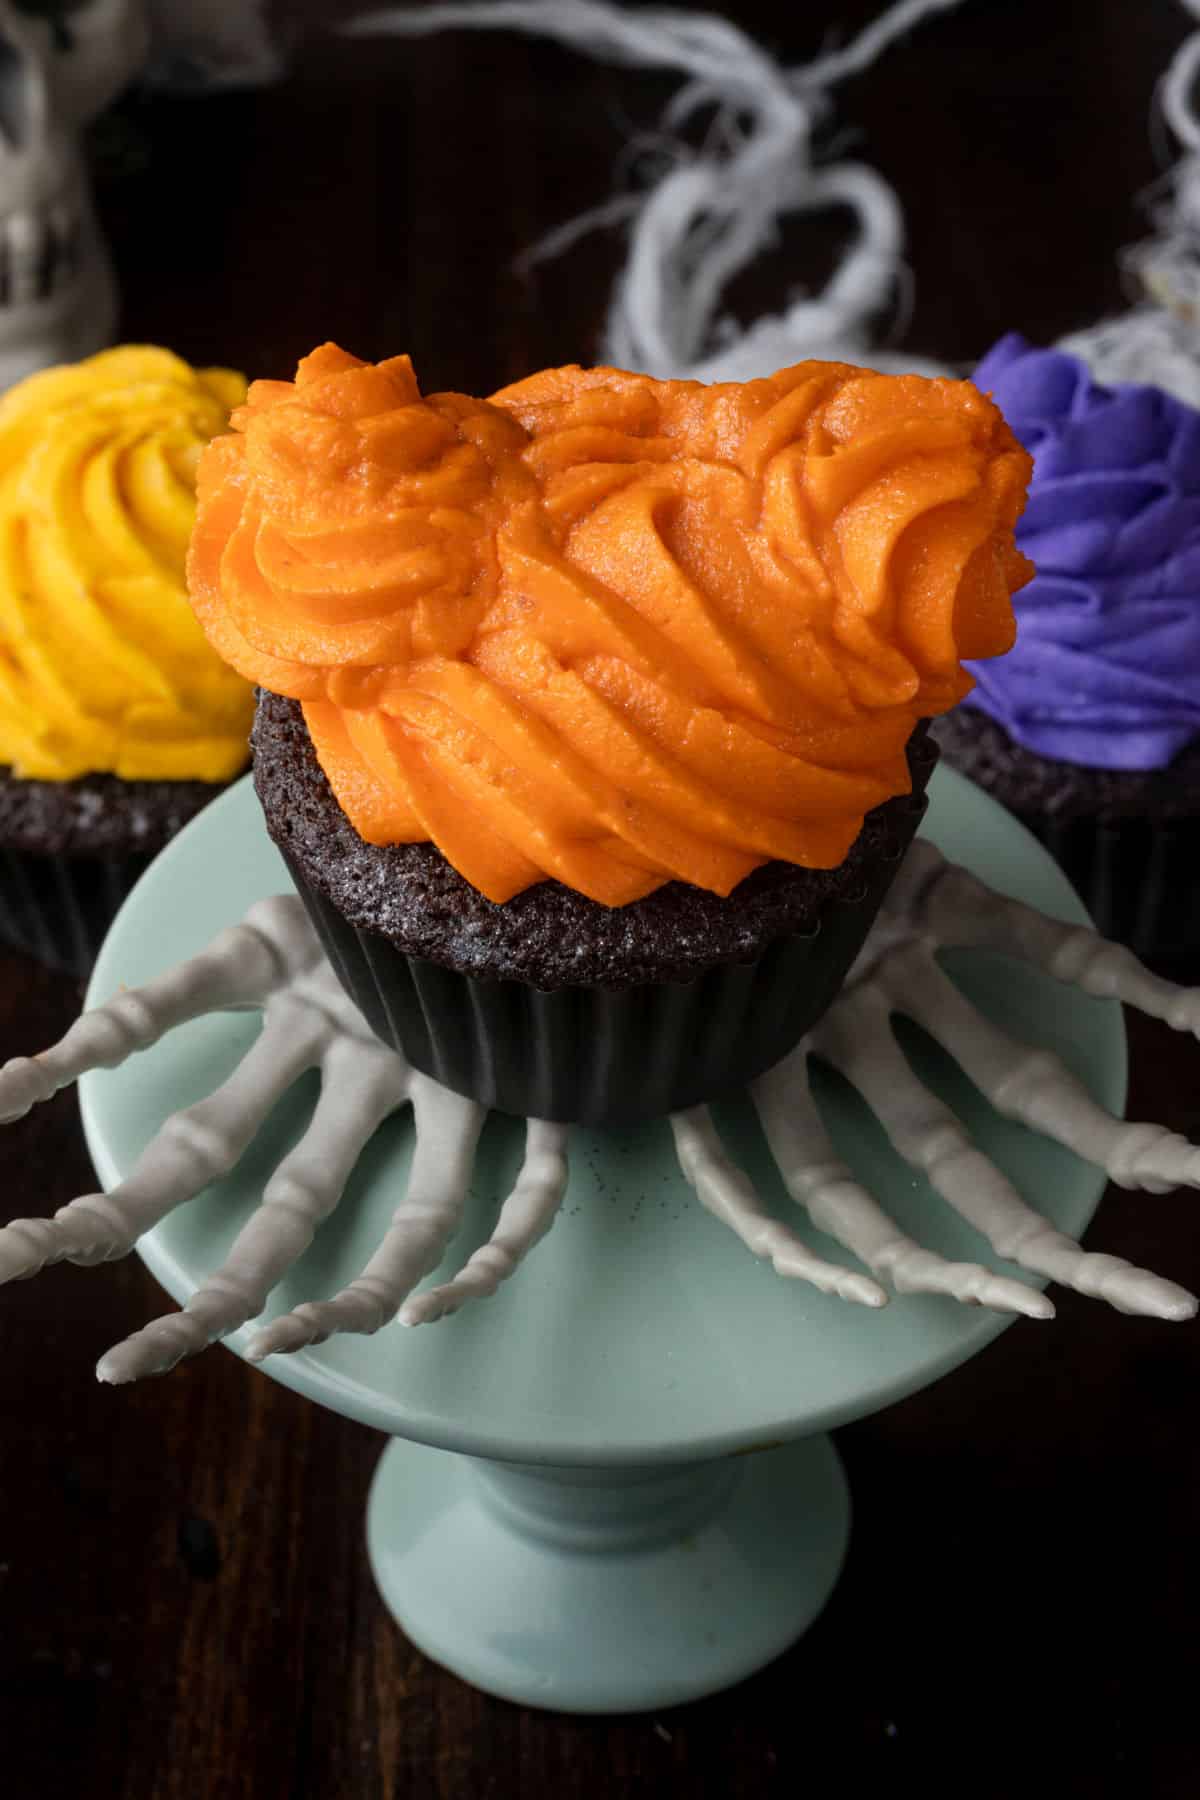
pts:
pixel 595 1543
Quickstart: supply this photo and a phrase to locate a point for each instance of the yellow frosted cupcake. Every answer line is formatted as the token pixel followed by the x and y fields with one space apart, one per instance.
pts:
pixel 117 721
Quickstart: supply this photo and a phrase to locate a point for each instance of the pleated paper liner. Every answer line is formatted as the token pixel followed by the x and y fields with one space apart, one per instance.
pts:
pixel 58 908
pixel 1138 879
pixel 608 1055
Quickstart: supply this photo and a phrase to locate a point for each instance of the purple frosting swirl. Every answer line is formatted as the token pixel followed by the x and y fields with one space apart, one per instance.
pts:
pixel 1106 669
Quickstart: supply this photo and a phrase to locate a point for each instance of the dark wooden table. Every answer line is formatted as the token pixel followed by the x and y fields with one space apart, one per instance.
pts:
pixel 185 1607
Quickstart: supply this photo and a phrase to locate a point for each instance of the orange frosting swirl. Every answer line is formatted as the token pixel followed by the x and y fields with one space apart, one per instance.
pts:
pixel 607 629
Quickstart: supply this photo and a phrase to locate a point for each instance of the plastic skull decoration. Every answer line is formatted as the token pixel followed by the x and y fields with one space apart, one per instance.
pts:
pixel 60 65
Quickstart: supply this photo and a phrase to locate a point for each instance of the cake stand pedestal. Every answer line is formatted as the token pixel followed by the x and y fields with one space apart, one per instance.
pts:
pixel 609 1487
pixel 599 1591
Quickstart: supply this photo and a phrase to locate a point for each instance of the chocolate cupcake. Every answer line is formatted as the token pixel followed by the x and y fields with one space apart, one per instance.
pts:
pixel 694 992
pixel 593 723
pixel 1090 729
pixel 117 721
pixel 70 851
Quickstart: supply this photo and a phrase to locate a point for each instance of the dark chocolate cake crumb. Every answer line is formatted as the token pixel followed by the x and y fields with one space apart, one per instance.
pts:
pixel 96 814
pixel 1036 786
pixel 549 935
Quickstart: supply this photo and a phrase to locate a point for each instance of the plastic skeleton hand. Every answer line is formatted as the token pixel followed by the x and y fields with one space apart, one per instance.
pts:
pixel 934 905
pixel 273 960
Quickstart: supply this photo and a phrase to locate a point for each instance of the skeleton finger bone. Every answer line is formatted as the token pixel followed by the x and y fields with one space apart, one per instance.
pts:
pixel 950 905
pixel 1033 1086
pixel 192 1149
pixel 525 1218
pixel 726 1192
pixel 929 1136
pixel 239 968
pixel 303 1191
pixel 817 1179
pixel 447 1129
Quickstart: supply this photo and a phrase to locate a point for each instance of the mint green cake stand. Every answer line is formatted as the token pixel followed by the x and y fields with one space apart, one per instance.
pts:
pixel 610 1487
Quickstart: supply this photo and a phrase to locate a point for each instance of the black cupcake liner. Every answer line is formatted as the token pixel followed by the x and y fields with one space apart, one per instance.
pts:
pixel 58 908
pixel 1126 838
pixel 597 1055
pixel 1137 878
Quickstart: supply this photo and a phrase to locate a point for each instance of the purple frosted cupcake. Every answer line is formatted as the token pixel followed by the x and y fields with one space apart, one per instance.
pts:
pixel 1089 730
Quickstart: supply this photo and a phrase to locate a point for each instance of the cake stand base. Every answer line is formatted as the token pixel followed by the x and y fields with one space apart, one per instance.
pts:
pixel 602 1591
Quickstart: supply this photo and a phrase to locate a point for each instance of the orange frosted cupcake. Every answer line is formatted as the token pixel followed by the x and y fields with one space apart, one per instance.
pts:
pixel 592 723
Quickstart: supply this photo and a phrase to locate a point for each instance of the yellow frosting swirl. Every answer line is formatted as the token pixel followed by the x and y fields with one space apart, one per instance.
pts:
pixel 103 667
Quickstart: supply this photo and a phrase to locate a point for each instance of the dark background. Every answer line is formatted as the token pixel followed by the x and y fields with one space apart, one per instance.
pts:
pixel 185 1607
